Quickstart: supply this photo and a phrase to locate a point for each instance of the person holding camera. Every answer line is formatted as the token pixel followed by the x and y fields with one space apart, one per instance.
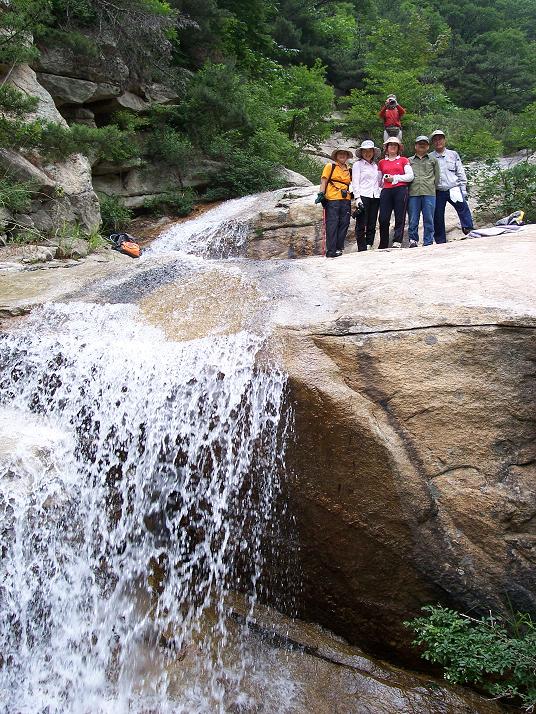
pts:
pixel 335 198
pixel 366 189
pixel 395 172
pixel 391 113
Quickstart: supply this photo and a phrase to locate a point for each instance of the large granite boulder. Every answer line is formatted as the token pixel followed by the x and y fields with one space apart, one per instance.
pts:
pixel 68 90
pixel 68 196
pixel 104 66
pixel 135 184
pixel 289 227
pixel 413 450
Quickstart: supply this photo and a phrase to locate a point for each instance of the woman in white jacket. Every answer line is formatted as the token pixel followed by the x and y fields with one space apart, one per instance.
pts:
pixel 366 189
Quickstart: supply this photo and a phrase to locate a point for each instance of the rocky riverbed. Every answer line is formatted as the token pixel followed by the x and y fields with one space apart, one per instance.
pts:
pixel 410 376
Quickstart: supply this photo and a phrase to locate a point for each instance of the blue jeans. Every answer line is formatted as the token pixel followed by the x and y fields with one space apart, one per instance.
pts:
pixel 462 209
pixel 426 206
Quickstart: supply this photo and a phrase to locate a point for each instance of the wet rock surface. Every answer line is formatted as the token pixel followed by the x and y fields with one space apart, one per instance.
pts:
pixel 411 378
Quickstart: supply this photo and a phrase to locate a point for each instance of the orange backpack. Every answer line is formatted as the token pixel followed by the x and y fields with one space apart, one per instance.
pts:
pixel 125 243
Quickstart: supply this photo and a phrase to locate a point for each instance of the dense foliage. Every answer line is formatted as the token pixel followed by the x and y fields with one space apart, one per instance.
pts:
pixel 258 79
pixel 501 192
pixel 498 655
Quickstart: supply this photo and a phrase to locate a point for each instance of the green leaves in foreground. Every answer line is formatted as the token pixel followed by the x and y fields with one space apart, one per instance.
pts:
pixel 497 654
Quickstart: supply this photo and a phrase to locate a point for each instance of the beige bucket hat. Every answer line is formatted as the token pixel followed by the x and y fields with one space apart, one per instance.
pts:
pixel 341 148
pixel 394 140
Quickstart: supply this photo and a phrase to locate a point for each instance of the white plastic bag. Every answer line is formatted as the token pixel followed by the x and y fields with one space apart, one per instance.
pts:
pixel 456 195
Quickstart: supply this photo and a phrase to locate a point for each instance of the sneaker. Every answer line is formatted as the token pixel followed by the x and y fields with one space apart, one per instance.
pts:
pixel 330 255
pixel 396 244
pixel 413 244
pixel 338 254
pixel 465 231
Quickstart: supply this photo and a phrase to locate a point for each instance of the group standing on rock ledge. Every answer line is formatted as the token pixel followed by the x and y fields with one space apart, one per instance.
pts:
pixel 420 184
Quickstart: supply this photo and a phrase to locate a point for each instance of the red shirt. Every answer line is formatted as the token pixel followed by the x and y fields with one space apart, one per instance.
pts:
pixel 394 168
pixel 391 117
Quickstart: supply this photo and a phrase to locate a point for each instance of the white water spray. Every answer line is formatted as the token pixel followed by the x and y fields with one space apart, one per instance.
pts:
pixel 138 479
pixel 219 233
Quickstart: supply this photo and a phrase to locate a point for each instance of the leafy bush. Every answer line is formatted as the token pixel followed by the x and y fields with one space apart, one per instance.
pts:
pixel 171 148
pixel 176 203
pixel 502 191
pixel 108 143
pixel 15 196
pixel 115 215
pixel 307 166
pixel 498 655
pixel 243 174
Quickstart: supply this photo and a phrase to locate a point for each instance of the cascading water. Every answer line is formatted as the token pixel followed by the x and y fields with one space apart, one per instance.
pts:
pixel 138 479
pixel 219 233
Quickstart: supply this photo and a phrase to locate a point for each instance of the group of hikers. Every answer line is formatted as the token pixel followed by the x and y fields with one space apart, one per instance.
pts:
pixel 422 184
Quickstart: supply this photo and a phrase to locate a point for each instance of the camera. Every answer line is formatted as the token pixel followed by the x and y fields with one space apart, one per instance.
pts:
pixel 358 211
pixel 391 103
pixel 344 192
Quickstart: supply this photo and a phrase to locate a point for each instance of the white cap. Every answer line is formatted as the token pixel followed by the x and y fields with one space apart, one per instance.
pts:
pixel 437 132
pixel 422 137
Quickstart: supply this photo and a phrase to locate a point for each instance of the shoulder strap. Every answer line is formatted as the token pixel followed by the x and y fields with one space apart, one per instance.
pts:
pixel 331 172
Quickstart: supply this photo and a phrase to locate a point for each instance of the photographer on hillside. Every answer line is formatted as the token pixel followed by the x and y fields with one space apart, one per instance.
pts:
pixel 391 113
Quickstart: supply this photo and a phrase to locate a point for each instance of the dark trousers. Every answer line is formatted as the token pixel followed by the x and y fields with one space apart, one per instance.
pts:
pixel 365 225
pixel 462 209
pixel 337 216
pixel 392 199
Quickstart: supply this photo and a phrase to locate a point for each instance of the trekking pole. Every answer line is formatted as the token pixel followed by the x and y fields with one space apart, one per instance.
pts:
pixel 323 231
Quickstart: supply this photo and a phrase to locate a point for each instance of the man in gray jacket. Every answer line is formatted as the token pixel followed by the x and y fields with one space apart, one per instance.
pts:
pixel 452 187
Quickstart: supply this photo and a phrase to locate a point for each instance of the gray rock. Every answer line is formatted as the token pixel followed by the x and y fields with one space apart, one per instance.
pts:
pixel 126 100
pixel 20 169
pixel 105 168
pixel 292 178
pixel 160 93
pixel 42 220
pixel 79 115
pixel 106 66
pixel 23 220
pixel 5 217
pixel 75 200
pixel 66 90
pixel 72 248
pixel 41 254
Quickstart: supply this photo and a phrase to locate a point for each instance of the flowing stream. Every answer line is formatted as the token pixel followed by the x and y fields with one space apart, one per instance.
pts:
pixel 139 485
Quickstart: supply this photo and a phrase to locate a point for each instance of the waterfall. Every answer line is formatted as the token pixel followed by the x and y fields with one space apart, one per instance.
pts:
pixel 138 484
pixel 221 232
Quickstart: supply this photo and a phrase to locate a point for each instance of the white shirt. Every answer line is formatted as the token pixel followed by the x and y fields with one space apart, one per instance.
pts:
pixel 365 179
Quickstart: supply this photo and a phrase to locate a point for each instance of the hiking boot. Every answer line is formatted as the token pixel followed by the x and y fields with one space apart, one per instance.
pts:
pixel 396 244
pixel 330 255
pixel 413 244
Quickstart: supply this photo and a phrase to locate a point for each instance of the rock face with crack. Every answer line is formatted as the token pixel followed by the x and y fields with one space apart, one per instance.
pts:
pixel 414 447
